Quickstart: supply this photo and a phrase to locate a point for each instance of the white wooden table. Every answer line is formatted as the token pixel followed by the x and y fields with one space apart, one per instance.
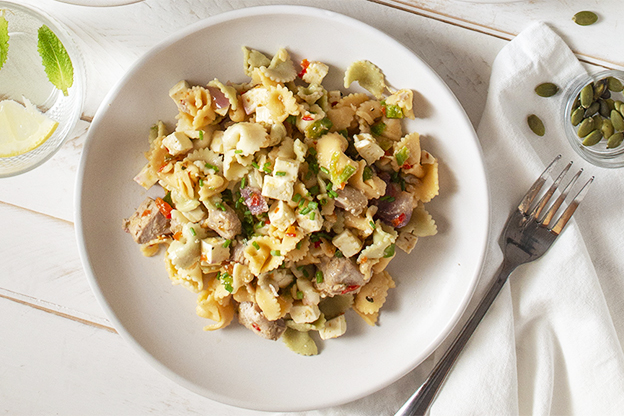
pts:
pixel 58 352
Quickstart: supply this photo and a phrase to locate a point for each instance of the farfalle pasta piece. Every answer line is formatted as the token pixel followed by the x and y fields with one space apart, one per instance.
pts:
pixel 372 296
pixel 372 188
pixel 368 75
pixel 281 103
pixel 253 59
pixel 211 304
pixel 228 92
pixel 272 305
pixel 281 69
pixel 262 254
pixel 429 185
pixel 405 100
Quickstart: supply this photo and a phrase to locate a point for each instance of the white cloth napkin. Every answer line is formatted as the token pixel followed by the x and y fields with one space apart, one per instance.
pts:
pixel 552 342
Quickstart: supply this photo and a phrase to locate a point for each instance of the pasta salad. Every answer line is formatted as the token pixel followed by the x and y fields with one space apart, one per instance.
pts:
pixel 283 202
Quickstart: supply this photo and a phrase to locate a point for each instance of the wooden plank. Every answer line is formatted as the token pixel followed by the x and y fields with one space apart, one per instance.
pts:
pixel 506 20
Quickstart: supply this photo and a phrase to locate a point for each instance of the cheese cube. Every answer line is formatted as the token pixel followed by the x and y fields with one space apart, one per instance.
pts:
pixel 213 250
pixel 368 148
pixel 281 215
pixel 277 188
pixel 177 143
pixel 334 328
pixel 289 167
pixel 310 222
pixel 348 243
pixel 315 72
pixel 304 314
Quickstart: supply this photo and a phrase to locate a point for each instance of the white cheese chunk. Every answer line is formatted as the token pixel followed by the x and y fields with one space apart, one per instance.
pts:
pixel 348 243
pixel 287 168
pixel 277 188
pixel 281 215
pixel 367 147
pixel 213 250
pixel 310 222
pixel 304 314
pixel 334 328
pixel 177 143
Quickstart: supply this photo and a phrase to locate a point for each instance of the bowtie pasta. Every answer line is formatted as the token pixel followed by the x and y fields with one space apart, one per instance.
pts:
pixel 284 202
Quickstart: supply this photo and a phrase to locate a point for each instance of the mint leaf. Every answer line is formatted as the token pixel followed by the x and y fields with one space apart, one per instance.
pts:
pixel 56 60
pixel 4 38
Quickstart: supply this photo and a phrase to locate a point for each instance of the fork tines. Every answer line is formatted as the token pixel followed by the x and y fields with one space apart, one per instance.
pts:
pixel 536 211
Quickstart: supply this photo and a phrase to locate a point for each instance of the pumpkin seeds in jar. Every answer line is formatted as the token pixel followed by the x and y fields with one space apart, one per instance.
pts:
pixel 536 125
pixel 585 18
pixel 614 84
pixel 607 128
pixel 546 89
pixel 587 95
pixel 617 120
pixel 615 140
pixel 586 127
pixel 577 116
pixel 592 138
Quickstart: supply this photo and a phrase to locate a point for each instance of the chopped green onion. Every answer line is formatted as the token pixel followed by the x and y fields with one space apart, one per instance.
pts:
pixel 276 253
pixel 319 128
pixel 367 173
pixel 201 182
pixel 238 151
pixel 280 173
pixel 227 243
pixel 389 251
pixel 387 198
pixel 319 276
pixel 392 110
pixel 305 211
pixel 291 119
pixel 192 231
pixel 325 170
pixel 338 254
pixel 313 205
pixel 255 165
pixel 315 190
pixel 213 167
pixel 332 194
pixel 312 215
pixel 305 273
pixel 347 172
pixel 378 128
pixel 402 155
pixel 372 224
pixel 201 135
pixel 243 182
pixel 296 197
pixel 255 245
pixel 299 294
pixel 298 246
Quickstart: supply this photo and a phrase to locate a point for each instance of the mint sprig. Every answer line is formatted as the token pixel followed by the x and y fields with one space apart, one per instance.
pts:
pixel 56 61
pixel 4 38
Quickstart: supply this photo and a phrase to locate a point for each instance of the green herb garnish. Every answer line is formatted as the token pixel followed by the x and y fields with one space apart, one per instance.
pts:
pixel 56 61
pixel 319 128
pixel 4 39
pixel 402 155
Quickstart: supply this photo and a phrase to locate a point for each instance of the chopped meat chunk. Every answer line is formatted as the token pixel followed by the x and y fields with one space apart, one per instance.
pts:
pixel 254 200
pixel 351 199
pixel 340 276
pixel 224 221
pixel 147 223
pixel 396 206
pixel 255 320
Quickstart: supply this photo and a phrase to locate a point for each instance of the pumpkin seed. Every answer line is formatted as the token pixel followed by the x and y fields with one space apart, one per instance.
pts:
pixel 617 104
pixel 587 95
pixel 607 128
pixel 592 138
pixel 617 120
pixel 599 88
pixel 604 108
pixel 610 103
pixel 586 127
pixel 546 89
pixel 615 140
pixel 577 116
pixel 598 120
pixel 592 109
pixel 614 84
pixel 585 18
pixel 536 125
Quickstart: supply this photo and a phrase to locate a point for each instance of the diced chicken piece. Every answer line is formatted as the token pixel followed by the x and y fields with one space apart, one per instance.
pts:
pixel 225 223
pixel 147 223
pixel 340 276
pixel 255 320
pixel 177 143
pixel 254 200
pixel 351 199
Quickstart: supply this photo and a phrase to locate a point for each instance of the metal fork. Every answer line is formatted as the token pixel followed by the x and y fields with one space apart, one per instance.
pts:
pixel 527 236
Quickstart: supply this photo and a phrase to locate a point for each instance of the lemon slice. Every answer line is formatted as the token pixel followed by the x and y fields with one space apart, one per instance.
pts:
pixel 22 127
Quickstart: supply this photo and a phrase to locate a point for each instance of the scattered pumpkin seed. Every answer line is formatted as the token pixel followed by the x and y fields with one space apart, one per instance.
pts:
pixel 617 120
pixel 614 84
pixel 592 138
pixel 536 125
pixel 586 127
pixel 585 18
pixel 615 140
pixel 546 89
pixel 587 95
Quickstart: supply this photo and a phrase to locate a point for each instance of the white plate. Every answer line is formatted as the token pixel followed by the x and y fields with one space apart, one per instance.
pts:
pixel 233 365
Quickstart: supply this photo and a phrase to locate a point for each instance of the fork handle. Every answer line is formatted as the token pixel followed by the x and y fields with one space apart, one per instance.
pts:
pixel 419 402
